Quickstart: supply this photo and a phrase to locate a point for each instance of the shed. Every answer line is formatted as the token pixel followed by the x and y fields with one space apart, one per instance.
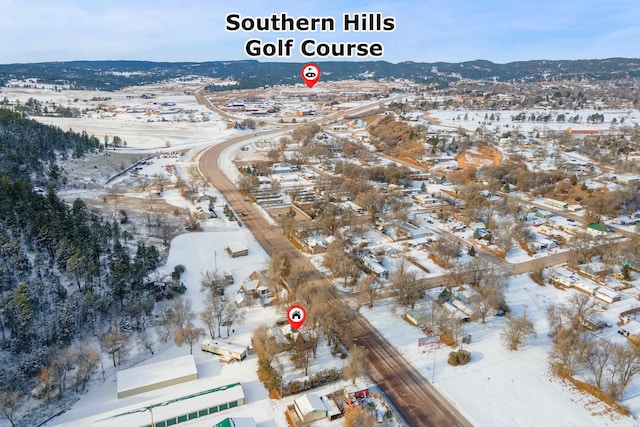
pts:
pixel 250 286
pixel 415 317
pixel 237 249
pixel 354 392
pixel 310 408
pixel 241 300
pixel 333 412
pixel 154 376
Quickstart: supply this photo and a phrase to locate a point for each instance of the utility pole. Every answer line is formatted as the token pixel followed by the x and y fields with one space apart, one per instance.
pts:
pixel 433 371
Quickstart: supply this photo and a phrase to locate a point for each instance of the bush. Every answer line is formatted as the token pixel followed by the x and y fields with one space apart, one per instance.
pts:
pixel 177 272
pixel 464 357
pixel 460 357
pixel 453 359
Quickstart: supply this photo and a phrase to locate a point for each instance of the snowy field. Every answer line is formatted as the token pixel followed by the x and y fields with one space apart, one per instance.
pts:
pixel 500 387
pixel 502 120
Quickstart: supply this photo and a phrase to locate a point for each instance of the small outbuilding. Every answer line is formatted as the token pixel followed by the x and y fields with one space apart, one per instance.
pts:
pixel 310 408
pixel 250 287
pixel 241 300
pixel 237 249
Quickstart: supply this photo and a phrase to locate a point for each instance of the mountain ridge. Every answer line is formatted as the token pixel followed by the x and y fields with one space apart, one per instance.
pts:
pixel 116 74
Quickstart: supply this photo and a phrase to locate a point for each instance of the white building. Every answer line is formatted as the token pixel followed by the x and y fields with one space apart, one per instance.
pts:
pixel 310 408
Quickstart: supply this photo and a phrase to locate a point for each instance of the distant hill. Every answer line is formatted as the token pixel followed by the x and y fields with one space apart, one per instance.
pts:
pixel 113 75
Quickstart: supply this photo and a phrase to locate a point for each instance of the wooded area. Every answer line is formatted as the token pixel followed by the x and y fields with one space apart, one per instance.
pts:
pixel 66 274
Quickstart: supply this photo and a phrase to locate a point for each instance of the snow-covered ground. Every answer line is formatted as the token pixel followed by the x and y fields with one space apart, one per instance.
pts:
pixel 499 387
pixel 502 120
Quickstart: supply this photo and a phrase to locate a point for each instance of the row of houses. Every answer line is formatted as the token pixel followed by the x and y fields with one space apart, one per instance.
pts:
pixel 603 293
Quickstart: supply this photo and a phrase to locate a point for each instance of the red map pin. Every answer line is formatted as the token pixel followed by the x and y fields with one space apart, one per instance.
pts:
pixel 310 74
pixel 296 316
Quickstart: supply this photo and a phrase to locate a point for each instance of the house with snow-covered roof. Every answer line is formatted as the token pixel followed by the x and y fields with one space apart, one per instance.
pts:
pixel 310 408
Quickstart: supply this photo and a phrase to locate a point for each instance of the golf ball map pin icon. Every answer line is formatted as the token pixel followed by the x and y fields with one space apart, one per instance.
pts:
pixel 310 74
pixel 296 316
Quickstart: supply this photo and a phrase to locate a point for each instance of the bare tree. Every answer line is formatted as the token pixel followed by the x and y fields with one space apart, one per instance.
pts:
pixel 231 315
pixel 64 361
pixel 358 364
pixel 88 359
pixel 504 233
pixel 264 344
pixel 583 246
pixel 601 204
pixel 597 357
pixel 446 251
pixel 189 334
pixel 160 180
pixel 209 320
pixel 147 339
pixel 457 275
pixel 248 183
pixel 213 313
pixel 570 350
pixel 9 404
pixel 406 285
pixel 571 315
pixel 370 289
pixel 337 261
pixel 441 320
pixel 115 344
pixel 516 331
pixel 625 364
pixel 332 320
pixel 358 416
pixel 302 354
pixel 486 299
pixel 181 312
pixel 278 270
pixel 163 309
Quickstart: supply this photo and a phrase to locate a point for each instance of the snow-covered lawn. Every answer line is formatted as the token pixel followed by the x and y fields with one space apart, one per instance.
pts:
pixel 502 387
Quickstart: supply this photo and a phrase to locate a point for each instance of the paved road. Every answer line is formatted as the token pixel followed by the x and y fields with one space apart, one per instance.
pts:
pixel 408 391
pixel 415 399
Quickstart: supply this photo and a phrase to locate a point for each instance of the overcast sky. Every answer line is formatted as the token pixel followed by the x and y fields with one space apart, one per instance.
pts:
pixel 426 30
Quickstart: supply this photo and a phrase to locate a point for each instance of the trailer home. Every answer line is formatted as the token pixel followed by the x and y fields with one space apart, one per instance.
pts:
pixel 225 350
